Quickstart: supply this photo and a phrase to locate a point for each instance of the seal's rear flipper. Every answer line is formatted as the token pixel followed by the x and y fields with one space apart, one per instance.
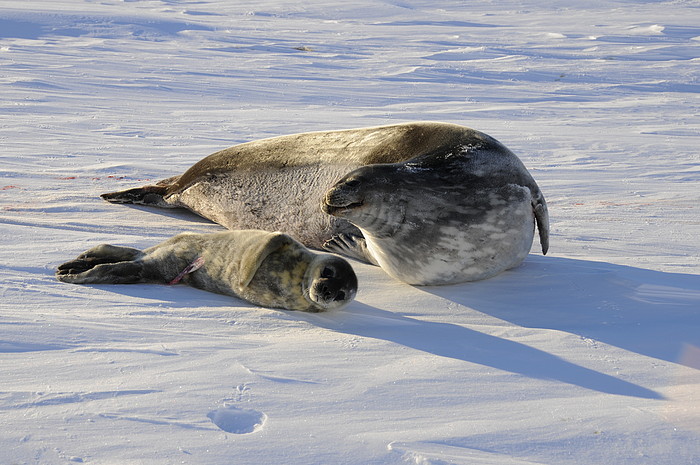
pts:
pixel 104 264
pixel 146 195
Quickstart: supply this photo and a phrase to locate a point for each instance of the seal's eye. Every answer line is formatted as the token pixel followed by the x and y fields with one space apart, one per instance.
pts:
pixel 352 182
pixel 339 296
pixel 327 272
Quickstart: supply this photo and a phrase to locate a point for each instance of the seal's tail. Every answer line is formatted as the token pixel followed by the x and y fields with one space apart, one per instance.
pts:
pixel 146 195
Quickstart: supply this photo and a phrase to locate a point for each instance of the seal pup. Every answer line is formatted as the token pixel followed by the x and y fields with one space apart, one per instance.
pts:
pixel 442 218
pixel 278 183
pixel 264 268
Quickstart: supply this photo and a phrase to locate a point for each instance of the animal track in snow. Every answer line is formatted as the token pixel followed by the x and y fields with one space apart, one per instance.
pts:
pixel 237 420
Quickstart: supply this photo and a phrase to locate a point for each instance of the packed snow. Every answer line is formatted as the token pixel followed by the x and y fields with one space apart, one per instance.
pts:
pixel 589 355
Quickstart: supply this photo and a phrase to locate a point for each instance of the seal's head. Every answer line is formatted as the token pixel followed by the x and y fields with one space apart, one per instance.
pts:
pixel 449 217
pixel 279 272
pixel 329 282
pixel 372 198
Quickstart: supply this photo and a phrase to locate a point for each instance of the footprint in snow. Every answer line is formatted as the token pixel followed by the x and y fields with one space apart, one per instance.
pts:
pixel 237 420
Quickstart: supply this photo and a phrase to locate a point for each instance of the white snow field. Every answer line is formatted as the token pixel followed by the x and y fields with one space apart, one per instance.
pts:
pixel 589 355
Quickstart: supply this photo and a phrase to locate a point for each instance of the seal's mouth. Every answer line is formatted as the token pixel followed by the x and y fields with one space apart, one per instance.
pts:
pixel 337 208
pixel 330 295
pixel 343 198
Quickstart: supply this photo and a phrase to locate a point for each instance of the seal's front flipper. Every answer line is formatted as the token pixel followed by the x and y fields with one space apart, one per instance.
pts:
pixel 350 245
pixel 255 252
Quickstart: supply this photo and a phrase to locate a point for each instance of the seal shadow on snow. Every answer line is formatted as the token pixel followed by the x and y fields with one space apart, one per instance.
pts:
pixel 648 312
pixel 461 343
pixel 177 213
pixel 171 297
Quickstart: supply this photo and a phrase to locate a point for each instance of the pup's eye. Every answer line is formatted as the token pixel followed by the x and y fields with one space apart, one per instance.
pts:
pixel 339 296
pixel 327 272
pixel 352 183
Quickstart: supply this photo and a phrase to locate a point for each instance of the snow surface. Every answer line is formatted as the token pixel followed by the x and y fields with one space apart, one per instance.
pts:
pixel 586 356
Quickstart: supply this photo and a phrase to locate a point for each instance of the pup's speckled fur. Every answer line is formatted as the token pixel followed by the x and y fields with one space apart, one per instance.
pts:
pixel 264 268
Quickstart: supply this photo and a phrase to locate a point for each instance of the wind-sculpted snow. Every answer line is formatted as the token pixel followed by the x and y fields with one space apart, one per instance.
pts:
pixel 236 420
pixel 586 356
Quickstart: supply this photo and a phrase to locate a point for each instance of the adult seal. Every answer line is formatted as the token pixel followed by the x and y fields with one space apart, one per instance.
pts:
pixel 441 218
pixel 431 203
pixel 264 268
